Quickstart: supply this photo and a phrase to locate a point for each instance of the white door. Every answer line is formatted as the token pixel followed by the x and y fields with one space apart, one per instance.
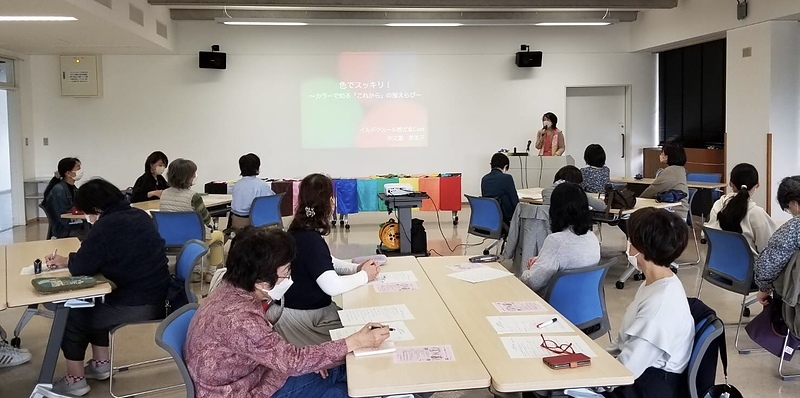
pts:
pixel 596 115
pixel 5 165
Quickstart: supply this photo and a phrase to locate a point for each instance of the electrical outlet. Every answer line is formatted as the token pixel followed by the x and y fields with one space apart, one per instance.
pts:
pixel 45 141
pixel 747 52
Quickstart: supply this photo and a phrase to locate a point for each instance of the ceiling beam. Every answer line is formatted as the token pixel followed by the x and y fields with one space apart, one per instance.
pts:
pixel 521 4
pixel 455 16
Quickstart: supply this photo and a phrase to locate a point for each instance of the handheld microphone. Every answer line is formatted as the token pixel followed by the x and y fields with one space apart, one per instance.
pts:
pixel 528 148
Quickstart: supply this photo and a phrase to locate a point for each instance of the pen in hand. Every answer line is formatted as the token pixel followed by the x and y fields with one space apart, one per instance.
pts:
pixel 378 327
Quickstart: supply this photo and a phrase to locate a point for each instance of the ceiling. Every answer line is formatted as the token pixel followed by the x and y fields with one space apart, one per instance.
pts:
pixel 476 12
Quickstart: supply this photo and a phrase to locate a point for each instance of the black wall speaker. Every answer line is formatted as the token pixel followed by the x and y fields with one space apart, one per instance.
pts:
pixel 212 60
pixel 529 59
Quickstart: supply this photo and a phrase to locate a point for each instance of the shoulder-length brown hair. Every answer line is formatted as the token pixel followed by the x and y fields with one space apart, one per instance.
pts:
pixel 314 204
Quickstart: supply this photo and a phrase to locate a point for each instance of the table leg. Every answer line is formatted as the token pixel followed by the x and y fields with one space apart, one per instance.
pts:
pixel 53 344
pixel 404 215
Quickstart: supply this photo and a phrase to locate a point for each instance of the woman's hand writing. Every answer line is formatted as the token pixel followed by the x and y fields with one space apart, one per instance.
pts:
pixel 371 335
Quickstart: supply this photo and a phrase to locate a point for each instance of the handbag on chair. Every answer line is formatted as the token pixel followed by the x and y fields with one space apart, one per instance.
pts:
pixel 618 199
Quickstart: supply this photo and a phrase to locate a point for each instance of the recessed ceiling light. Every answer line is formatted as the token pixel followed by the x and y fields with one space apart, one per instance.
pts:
pixel 418 24
pixel 18 18
pixel 573 23
pixel 264 23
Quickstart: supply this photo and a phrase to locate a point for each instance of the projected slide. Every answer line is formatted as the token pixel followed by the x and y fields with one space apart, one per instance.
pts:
pixel 373 100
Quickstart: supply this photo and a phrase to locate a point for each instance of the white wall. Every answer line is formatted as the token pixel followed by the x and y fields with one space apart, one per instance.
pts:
pixel 478 100
pixel 762 97
pixel 695 21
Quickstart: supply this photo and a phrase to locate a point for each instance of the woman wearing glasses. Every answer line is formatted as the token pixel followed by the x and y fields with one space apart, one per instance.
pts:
pixel 655 340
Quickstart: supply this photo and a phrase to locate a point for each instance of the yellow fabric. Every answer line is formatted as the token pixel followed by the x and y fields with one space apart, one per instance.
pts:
pixel 215 252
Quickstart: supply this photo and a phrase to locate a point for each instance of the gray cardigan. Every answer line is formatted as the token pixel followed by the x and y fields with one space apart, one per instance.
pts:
pixel 672 177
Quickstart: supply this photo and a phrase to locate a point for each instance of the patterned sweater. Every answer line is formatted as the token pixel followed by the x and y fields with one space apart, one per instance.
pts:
pixel 773 260
pixel 231 350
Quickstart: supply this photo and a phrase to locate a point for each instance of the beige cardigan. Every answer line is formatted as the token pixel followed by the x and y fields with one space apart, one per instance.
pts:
pixel 557 146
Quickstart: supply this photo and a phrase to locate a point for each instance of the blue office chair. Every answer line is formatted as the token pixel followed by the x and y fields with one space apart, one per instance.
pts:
pixel 265 211
pixel 177 228
pixel 588 308
pixel 706 331
pixel 729 265
pixel 191 252
pixel 171 336
pixel 485 220
pixel 706 200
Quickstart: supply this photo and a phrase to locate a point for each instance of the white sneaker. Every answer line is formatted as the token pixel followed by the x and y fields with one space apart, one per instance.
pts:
pixel 78 388
pixel 10 356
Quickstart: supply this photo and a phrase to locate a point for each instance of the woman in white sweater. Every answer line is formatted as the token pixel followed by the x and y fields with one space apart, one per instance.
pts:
pixel 736 211
pixel 657 332
pixel 571 245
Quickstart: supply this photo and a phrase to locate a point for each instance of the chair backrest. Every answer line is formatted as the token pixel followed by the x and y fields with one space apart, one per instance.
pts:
pixel 578 294
pixel 266 211
pixel 485 218
pixel 704 177
pixel 191 253
pixel 729 261
pixel 171 336
pixel 50 220
pixel 176 228
pixel 706 331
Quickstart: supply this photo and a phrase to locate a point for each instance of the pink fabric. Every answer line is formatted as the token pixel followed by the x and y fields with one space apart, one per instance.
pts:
pixel 231 351
pixel 296 196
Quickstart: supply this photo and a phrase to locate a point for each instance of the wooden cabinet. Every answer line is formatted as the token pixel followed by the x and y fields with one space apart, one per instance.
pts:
pixel 697 161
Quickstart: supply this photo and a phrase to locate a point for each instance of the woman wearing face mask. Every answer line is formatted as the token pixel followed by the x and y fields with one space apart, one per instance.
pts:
pixel 550 140
pixel 250 359
pixel 657 332
pixel 180 197
pixel 125 248
pixel 309 312
pixel 58 198
pixel 150 184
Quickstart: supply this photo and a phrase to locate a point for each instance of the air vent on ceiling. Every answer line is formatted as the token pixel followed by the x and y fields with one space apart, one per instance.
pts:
pixel 161 29
pixel 136 15
pixel 106 3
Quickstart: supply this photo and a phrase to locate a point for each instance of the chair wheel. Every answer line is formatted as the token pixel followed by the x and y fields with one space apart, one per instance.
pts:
pixel 485 252
pixel 620 285
pixel 704 241
pixel 347 226
pixel 341 223
pixel 455 222
pixel 15 342
pixel 637 277
pixel 746 312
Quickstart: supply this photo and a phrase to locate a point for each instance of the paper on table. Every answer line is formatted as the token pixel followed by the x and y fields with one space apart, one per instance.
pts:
pixel 395 277
pixel 45 270
pixel 431 353
pixel 395 287
pixel 519 306
pixel 531 346
pixel 480 274
pixel 386 313
pixel 527 324
pixel 401 332
pixel 387 347
pixel 466 266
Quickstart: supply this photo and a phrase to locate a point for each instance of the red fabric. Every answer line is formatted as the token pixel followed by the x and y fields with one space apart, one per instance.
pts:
pixel 450 191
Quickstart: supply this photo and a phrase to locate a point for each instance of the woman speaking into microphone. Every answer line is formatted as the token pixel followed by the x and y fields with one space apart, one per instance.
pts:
pixel 550 140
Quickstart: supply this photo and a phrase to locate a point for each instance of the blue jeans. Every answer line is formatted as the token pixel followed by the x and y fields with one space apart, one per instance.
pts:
pixel 313 385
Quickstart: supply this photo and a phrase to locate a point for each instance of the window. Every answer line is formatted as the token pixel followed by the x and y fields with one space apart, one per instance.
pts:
pixel 6 72
pixel 691 87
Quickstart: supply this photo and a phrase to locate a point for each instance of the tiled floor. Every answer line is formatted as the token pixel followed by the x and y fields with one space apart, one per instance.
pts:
pixel 755 374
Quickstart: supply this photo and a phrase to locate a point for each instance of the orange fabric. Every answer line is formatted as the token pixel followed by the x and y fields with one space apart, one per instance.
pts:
pixel 431 186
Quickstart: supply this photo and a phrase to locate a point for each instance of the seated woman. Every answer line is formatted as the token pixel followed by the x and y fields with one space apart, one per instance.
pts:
pixel 571 174
pixel 250 359
pixel 150 184
pixel 246 189
pixel 180 197
pixel 125 248
pixel 657 332
pixel 782 245
pixel 309 312
pixel 596 174
pixel 737 212
pixel 673 177
pixel 58 199
pixel 571 245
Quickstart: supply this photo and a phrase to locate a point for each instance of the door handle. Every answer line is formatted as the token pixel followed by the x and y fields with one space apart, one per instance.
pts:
pixel 623 145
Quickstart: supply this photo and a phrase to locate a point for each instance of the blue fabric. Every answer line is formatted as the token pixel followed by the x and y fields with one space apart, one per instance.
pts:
pixel 367 195
pixel 346 196
pixel 313 385
pixel 244 191
pixel 500 186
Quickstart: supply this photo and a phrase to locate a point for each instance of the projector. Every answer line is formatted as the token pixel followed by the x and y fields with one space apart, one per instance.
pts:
pixel 396 189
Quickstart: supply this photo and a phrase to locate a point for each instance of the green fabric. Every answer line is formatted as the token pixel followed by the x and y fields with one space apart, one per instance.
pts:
pixel 381 183
pixel 200 208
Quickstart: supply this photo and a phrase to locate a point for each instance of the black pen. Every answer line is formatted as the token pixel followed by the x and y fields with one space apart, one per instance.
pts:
pixel 378 327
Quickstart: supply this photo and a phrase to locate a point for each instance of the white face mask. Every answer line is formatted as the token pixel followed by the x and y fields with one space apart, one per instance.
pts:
pixel 632 259
pixel 78 175
pixel 547 123
pixel 160 170
pixel 277 292
pixel 91 218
